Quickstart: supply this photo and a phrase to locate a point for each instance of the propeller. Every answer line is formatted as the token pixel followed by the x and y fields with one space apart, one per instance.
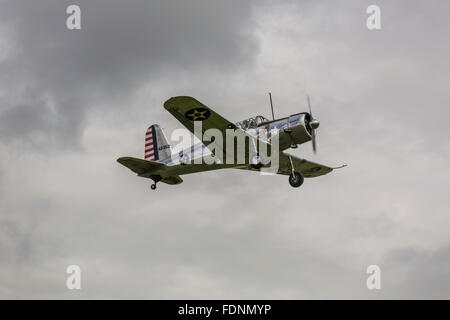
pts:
pixel 314 124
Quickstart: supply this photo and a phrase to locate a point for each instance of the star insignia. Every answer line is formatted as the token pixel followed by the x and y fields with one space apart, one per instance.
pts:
pixel 197 114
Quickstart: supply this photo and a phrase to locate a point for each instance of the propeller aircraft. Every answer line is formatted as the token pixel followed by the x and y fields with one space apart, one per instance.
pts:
pixel 160 165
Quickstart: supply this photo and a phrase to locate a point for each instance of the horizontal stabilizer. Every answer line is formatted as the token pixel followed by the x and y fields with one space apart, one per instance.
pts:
pixel 140 166
pixel 147 169
pixel 172 180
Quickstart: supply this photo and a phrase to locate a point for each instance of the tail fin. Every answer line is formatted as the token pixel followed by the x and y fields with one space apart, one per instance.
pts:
pixel 156 145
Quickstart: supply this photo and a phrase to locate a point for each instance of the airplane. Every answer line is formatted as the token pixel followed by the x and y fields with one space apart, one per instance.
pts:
pixel 161 165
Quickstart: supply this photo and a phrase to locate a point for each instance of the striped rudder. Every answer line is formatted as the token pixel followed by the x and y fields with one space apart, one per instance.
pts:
pixel 156 145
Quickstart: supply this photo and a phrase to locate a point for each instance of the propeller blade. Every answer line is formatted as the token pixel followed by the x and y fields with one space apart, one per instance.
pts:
pixel 314 124
pixel 309 105
pixel 314 144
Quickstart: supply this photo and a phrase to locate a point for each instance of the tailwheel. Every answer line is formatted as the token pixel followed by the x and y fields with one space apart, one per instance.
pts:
pixel 153 186
pixel 295 179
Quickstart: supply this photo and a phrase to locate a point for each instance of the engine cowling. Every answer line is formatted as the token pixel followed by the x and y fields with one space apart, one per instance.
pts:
pixel 300 127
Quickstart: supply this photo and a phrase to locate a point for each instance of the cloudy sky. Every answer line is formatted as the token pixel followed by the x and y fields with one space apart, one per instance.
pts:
pixel 72 102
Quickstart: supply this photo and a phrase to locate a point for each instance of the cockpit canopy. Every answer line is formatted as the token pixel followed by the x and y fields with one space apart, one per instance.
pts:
pixel 251 123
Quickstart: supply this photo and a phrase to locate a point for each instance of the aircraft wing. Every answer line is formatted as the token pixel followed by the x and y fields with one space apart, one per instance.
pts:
pixel 307 168
pixel 187 110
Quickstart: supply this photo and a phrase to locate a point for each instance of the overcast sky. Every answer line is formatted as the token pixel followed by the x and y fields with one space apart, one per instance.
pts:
pixel 72 102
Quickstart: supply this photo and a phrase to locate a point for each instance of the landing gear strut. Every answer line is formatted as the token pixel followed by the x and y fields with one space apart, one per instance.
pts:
pixel 155 178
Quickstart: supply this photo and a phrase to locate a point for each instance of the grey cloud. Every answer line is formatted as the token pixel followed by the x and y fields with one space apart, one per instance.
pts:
pixel 42 125
pixel 120 47
pixel 426 272
pixel 230 233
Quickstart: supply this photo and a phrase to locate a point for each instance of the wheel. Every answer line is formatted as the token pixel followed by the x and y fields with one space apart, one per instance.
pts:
pixel 295 179
pixel 257 166
pixel 256 162
pixel 153 186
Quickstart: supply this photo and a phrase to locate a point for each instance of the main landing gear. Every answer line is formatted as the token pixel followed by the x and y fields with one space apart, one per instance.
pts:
pixel 295 178
pixel 153 186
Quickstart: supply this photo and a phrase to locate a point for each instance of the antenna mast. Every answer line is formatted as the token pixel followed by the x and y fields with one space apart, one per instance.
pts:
pixel 271 105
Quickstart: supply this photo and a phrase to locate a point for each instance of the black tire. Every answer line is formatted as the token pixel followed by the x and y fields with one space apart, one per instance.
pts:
pixel 256 163
pixel 257 166
pixel 153 186
pixel 296 179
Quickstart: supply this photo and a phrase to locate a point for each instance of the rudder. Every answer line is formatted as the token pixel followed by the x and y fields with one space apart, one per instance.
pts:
pixel 156 145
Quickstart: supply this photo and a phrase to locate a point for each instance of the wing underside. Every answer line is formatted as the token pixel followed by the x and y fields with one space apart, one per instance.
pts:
pixel 307 168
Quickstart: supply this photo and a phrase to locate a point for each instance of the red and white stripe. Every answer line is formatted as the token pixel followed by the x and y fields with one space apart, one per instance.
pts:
pixel 149 150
